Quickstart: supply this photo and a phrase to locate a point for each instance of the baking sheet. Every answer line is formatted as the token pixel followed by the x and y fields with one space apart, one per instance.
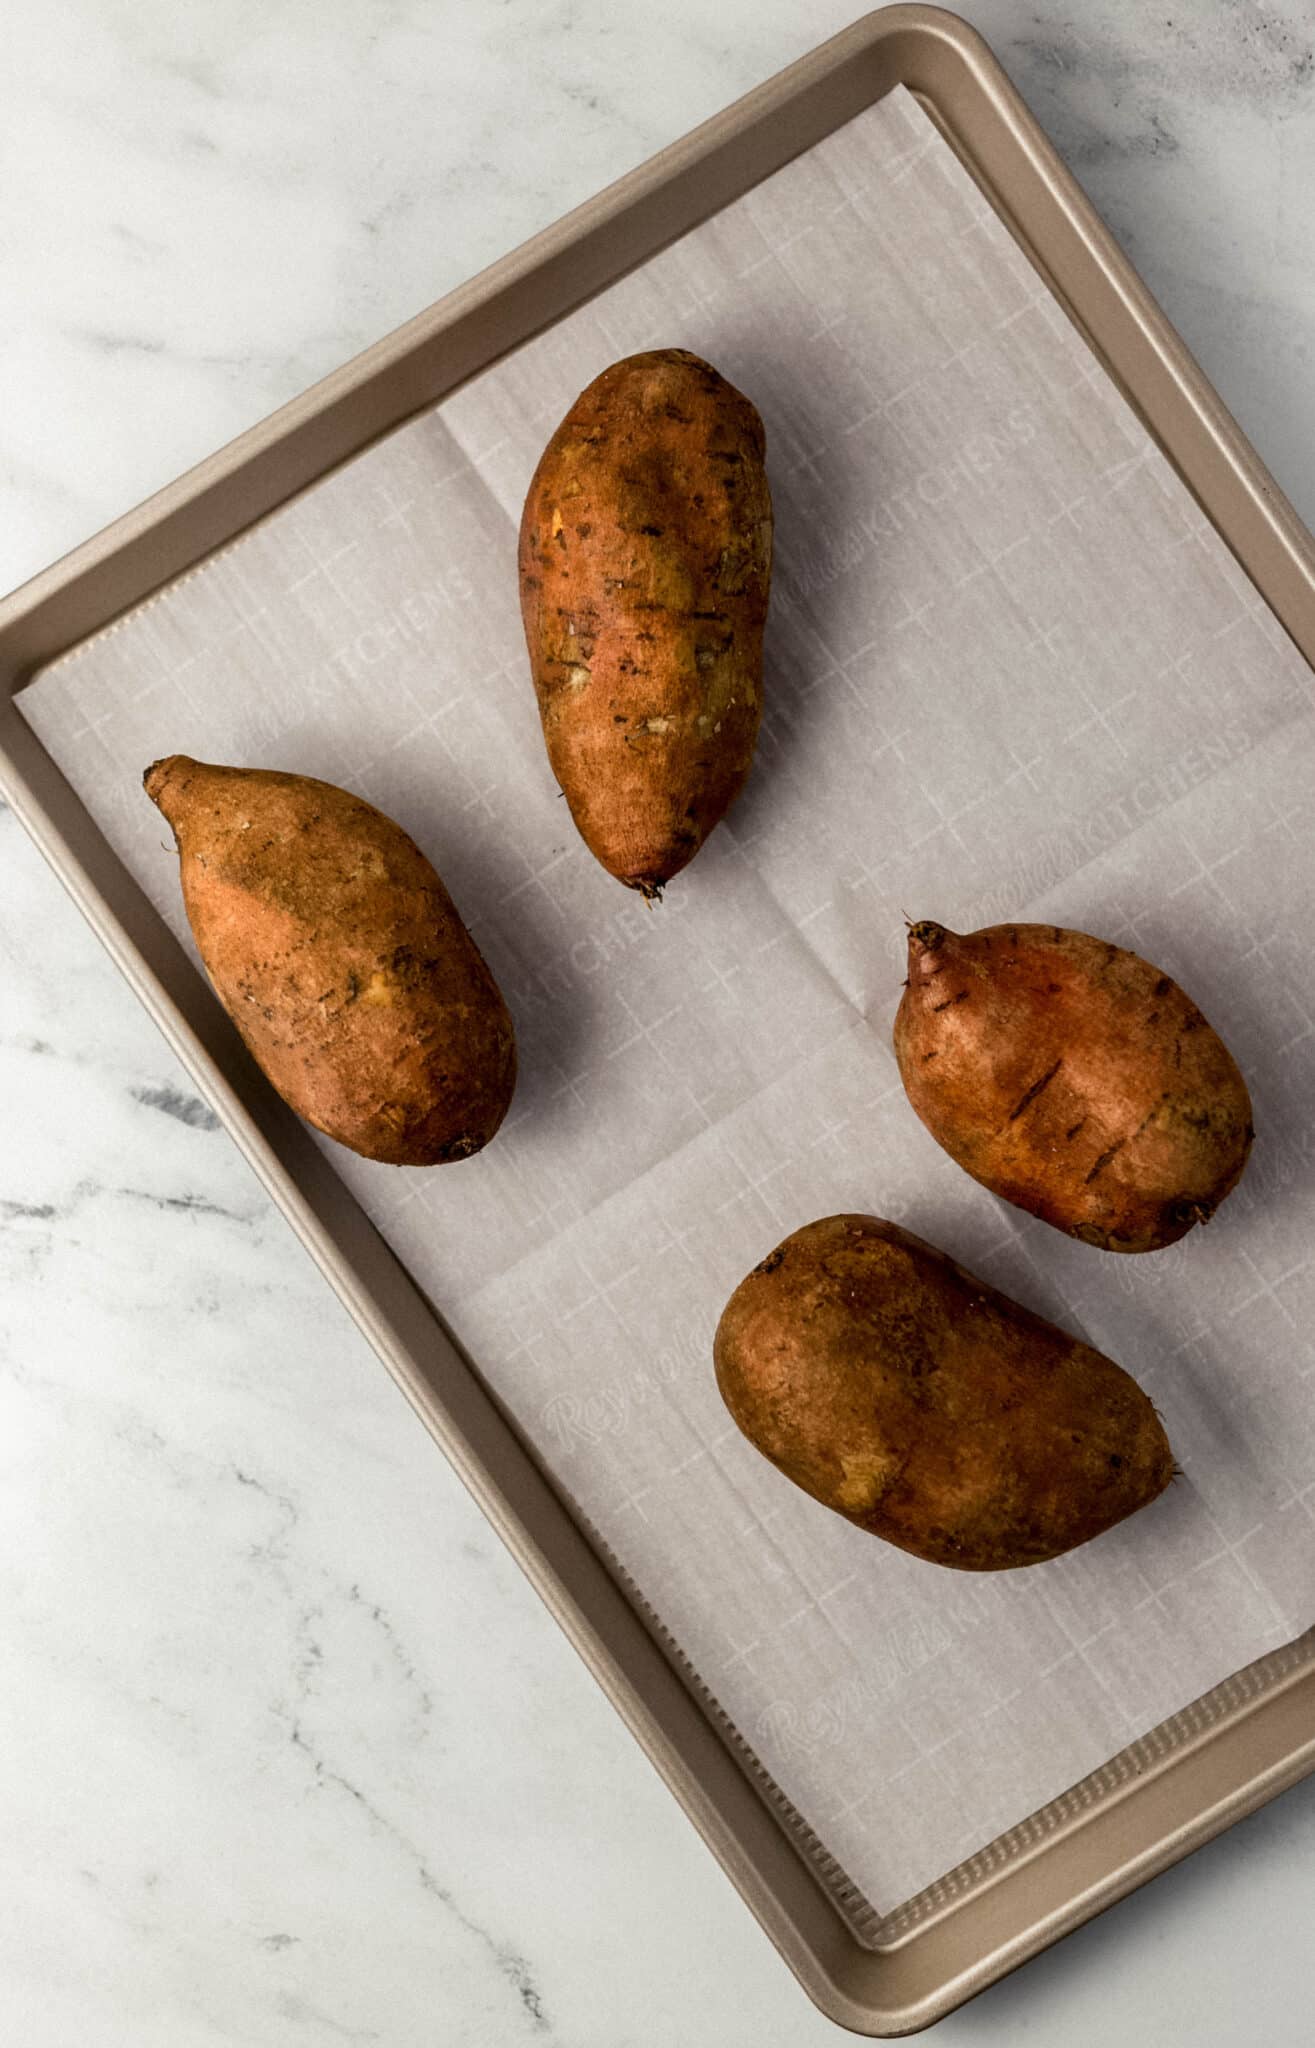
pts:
pixel 1012 673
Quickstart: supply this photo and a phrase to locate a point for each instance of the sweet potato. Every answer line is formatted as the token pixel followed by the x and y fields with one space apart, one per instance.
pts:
pixel 926 1407
pixel 645 558
pixel 342 960
pixel 1072 1078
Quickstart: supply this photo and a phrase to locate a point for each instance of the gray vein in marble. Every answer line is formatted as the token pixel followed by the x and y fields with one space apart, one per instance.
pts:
pixel 404 1663
pixel 1245 49
pixel 294 2007
pixel 511 1965
pixel 1108 97
pixel 272 1547
pixel 196 1205
pixel 86 1191
pixel 273 1550
pixel 1081 122
pixel 185 1108
pixel 135 243
pixel 119 344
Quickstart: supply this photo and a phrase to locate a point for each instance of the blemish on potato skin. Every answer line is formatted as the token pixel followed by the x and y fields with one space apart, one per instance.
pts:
pixel 1037 1088
pixel 1110 1153
pixel 463 1147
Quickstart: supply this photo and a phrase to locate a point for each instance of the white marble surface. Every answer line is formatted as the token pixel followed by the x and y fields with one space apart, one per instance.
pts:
pixel 288 1752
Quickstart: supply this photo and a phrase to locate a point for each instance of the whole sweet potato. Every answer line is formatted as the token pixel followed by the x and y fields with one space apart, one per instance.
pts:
pixel 1072 1078
pixel 342 960
pixel 926 1407
pixel 645 557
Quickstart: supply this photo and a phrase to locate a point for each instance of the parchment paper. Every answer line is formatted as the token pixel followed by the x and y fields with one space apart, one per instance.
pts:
pixel 1013 673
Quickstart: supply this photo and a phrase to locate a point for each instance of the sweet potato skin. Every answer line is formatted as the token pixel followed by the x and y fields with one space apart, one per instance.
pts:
pixel 1073 1079
pixel 928 1408
pixel 342 960
pixel 645 561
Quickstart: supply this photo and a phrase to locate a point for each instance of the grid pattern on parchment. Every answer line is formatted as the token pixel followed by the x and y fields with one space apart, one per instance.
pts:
pixel 1012 672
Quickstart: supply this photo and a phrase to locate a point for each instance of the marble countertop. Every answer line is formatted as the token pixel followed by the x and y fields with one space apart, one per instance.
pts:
pixel 288 1751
